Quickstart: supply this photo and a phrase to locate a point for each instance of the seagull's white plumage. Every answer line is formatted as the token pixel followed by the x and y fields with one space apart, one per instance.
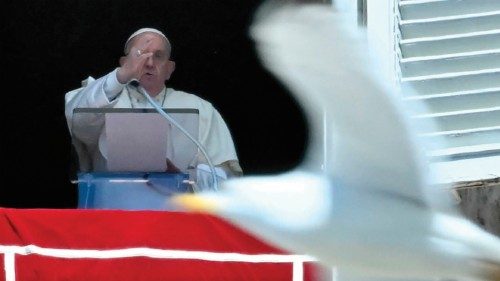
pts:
pixel 372 210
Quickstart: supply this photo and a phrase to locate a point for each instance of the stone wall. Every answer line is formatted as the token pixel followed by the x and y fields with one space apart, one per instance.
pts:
pixel 480 202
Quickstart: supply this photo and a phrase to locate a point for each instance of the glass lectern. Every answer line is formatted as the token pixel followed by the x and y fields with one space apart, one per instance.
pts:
pixel 121 157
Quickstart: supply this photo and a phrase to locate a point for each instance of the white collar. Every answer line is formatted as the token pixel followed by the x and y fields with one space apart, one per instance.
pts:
pixel 138 100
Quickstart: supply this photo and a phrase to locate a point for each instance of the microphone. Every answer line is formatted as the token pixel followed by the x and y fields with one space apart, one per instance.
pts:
pixel 135 84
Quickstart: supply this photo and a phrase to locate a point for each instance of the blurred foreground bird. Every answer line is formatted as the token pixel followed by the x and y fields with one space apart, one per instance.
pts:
pixel 371 210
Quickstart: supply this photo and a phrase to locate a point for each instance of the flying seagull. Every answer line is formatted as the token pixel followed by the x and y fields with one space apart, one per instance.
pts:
pixel 371 208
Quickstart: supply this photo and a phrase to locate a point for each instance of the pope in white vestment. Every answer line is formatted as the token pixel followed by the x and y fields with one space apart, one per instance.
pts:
pixel 144 61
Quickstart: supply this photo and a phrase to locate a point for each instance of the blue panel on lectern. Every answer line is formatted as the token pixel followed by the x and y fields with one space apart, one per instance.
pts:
pixel 129 191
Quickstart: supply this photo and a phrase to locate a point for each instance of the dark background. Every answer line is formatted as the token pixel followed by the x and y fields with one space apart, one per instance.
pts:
pixel 48 47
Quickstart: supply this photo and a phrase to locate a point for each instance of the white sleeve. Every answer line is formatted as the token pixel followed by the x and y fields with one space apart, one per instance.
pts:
pixel 216 137
pixel 112 87
pixel 86 127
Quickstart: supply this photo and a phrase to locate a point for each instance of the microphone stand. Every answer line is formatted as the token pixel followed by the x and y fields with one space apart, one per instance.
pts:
pixel 143 91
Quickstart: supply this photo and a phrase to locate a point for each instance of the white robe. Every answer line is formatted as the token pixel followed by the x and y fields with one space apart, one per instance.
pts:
pixel 87 129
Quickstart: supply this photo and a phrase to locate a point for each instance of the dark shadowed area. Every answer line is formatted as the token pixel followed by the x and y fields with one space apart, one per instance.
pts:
pixel 50 46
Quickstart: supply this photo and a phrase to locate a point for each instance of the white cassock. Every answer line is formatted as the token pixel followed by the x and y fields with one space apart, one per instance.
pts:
pixel 90 140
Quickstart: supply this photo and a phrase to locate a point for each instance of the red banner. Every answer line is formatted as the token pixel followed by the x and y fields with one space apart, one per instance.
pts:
pixel 49 244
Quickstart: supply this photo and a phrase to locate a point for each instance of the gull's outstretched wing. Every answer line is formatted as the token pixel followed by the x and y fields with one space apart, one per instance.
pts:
pixel 326 62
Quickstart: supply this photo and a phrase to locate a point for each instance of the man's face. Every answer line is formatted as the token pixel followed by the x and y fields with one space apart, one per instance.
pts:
pixel 158 67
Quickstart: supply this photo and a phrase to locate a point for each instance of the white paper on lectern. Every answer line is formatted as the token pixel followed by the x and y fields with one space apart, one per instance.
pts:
pixel 136 143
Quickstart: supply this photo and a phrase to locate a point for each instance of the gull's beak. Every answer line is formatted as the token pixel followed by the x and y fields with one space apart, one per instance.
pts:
pixel 193 202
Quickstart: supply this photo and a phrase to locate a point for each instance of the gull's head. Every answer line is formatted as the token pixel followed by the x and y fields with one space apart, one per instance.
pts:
pixel 291 201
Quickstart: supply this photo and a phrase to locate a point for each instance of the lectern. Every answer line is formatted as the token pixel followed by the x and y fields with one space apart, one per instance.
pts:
pixel 129 191
pixel 121 157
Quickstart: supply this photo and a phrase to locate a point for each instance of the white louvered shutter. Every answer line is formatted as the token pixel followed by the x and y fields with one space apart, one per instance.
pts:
pixel 448 52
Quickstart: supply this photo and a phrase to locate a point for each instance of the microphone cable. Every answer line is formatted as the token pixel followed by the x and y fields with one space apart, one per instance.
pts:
pixel 143 91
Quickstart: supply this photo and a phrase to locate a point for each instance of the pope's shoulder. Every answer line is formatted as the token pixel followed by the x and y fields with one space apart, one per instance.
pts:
pixel 186 98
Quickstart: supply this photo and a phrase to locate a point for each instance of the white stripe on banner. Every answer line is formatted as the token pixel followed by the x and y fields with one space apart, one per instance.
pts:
pixel 10 251
pixel 9 264
pixel 298 271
